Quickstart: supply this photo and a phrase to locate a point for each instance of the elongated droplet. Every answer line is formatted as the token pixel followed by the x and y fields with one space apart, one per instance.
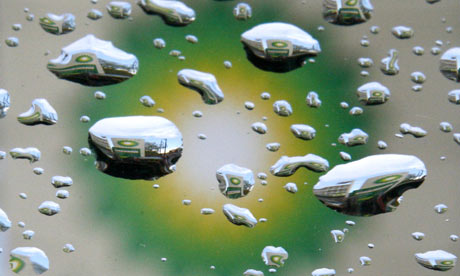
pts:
pixel 204 83
pixel 449 64
pixel 287 166
pixel 259 127
pixel 418 77
pixel 61 181
pixel 389 65
pixel 323 272
pixel 31 154
pixel 418 236
pixel 147 101
pixel 345 156
pixel 253 272
pixel 436 260
pixel 440 208
pixel 12 41
pixel 174 13
pixel 239 216
pixel 28 261
pixel 273 147
pixel 417 132
pixel 365 62
pixel 371 185
pixel 58 24
pixel 94 14
pixel 365 261
pixel 402 32
pixel 291 187
pixel 454 96
pixel 41 112
pixel 354 138
pixel 274 256
pixel 235 181
pixel 207 211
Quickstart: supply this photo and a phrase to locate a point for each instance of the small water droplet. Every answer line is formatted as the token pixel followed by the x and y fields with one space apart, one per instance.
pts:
pixel 239 216
pixel 119 9
pixel 274 256
pixel 242 11
pixel 204 83
pixel 49 208
pixel 147 101
pixel 402 32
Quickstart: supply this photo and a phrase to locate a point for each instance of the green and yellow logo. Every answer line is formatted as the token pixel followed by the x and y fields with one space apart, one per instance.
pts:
pixel 84 59
pixel 16 264
pixel 351 3
pixel 127 143
pixel 388 179
pixel 235 181
pixel 279 44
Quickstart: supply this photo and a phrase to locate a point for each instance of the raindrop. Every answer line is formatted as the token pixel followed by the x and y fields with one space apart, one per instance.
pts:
pixel 85 119
pixel 235 181
pixel 435 51
pixel 68 248
pixel 417 88
pixel 418 50
pixel 204 83
pixel 338 236
pixel 278 47
pixel 259 127
pixel 147 101
pixel 207 211
pixel 93 62
pixel 418 236
pixel 191 38
pixel 28 234
pixel 164 259
pixel 136 147
pixel 94 14
pixel 28 261
pixel 356 111
pixel 174 13
pixel 227 64
pixel 23 195
pixel 49 208
pixel 30 17
pixel 345 156
pixel 119 9
pixel 347 12
pixel 418 77
pixel 365 261
pixel 436 260
pixel 446 127
pixel 402 32
pixel 350 270
pixel 273 146
pixel 186 202
pixel 41 112
pixel 242 11
pixel 197 114
pixel 85 151
pixel 253 272
pixel 62 194
pixel 344 105
pixel 31 154
pixel 21 224
pixel 291 187
pixel 274 256
pixel 202 136
pixel 373 93
pixel 389 65
pixel 365 62
pixel 175 53
pixel 99 95
pixel 4 102
pixel 265 96
pixel 364 42
pixel 38 171
pixel 287 166
pixel 67 150
pixel 5 223
pixel 417 132
pixel 346 187
pixel 16 27
pixel 239 216
pixel 323 272
pixel 453 238
pixel 2 155
pixel 354 138
pixel 440 208
pixel 374 29
pixel 454 96
pixel 12 41
pixel 58 24
pixel 313 99
pixel 457 138
pixel 350 222
pixel 304 132
pixel 249 105
pixel 282 108
pixel 159 43
pixel 155 186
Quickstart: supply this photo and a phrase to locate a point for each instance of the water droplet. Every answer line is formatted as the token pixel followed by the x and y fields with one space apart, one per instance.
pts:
pixel 364 42
pixel 249 105
pixel 28 261
pixel 454 96
pixel 453 238
pixel 4 102
pixel 67 150
pixel 374 29
pixel 94 14
pixel 5 223
pixel 202 136
pixel 49 208
pixel 253 272
pixel 197 114
pixel 418 77
pixel 119 9
pixel 282 108
pixel 203 83
pixel 58 24
pixel 136 147
pixel 304 132
pixel 274 256
pixel 313 99
pixel 262 220
pixel 291 187
pixel 346 187
pixel 265 96
pixel 12 41
pixel 418 236
pixel 99 95
pixel 344 105
pixel 259 127
pixel 350 270
pixel 175 53
pixel 436 260
pixel 365 261
pixel 278 47
pixel 449 29
pixel 85 152
pixel 440 208
pixel 235 181
pixel 273 146
pixel 159 43
pixel 417 132
pixel 457 138
pixel 21 224
pixel 30 17
pixel 62 194
pixel 16 27
pixel 227 64
pixel 85 119
pixel 321 28
pixel 356 111
pixel 365 62
pixel 38 171
pixel 174 13
pixel 239 216
pixel 345 156
pixel 28 234
pixel 347 12
pixel 418 50
pixel 373 93
pixel 31 154
pixel 68 248
pixel 262 175
pixel 207 211
pixel 432 1
pixel 354 138
pixel 41 112
pixel 435 51
pixel 402 32
pixel 242 11
pixel 191 38
pixel 147 101
pixel 446 127
pixel 93 62
pixel 155 186
pixel 323 272
pixel 338 236
pixel 186 202
pixel 389 65
pixel 287 166
pixel 23 195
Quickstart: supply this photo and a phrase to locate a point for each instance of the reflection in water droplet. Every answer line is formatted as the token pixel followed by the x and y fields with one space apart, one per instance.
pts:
pixel 147 101
pixel 365 62
pixel 338 236
pixel 347 12
pixel 449 64
pixel 389 65
pixel 85 119
pixel 239 216
pixel 249 105
pixel 287 166
pixel 304 132
pixel 356 111
pixel 418 236
pixel 278 47
pixel 67 150
pixel 435 51
pixel 371 185
pixel 417 132
pixel 49 208
pixel 41 112
pixel 242 11
pixel 5 223
pixel 418 50
pixel 345 156
pixel 313 99
pixel 373 93
pixel 191 38
pixel 119 9
pixel 16 27
pixel 31 154
pixel 265 96
pixel 273 146
pixel 38 171
pixel 174 13
pixel 402 32
pixel 446 127
pixel 291 187
pixel 61 181
pixel 274 256
pixel 235 181
pixel 457 138
pixel 68 248
pixel 58 24
pixel 85 151
pixel 204 83
pixel 440 208
pixel 99 95
pixel 136 147
pixel 93 62
pixel 259 127
pixel 28 261
pixel 12 41
pixel 62 194
pixel 28 234
pixel 282 108
pixel 418 77
pixel 227 64
pixel 365 261
pixel 436 260
pixel 323 272
pixel 453 238
pixel 159 43
pixel 197 114
pixel 354 138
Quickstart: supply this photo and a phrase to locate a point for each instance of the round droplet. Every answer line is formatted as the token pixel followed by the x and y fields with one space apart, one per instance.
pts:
pixel 67 150
pixel 99 95
pixel 68 248
pixel 356 111
pixel 338 236
pixel 85 119
pixel 265 96
pixel 418 77
pixel 365 261
pixel 249 105
pixel 374 29
pixel 418 50
pixel 228 64
pixel 259 127
pixel 175 53
pixel 38 171
pixel 453 238
pixel 186 202
pixel 159 43
pixel 85 151
pixel 435 51
pixel 16 27
pixel 365 62
pixel 347 13
pixel 94 14
pixel 62 194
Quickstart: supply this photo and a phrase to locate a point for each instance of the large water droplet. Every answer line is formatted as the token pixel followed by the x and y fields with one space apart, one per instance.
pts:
pixel 235 181
pixel 61 181
pixel 449 64
pixel 417 132
pixel 203 83
pixel 338 235
pixel 41 112
pixel 402 32
pixel 49 208
pixel 436 260
pixel 30 153
pixel 282 108
pixel 313 99
pixel 454 96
